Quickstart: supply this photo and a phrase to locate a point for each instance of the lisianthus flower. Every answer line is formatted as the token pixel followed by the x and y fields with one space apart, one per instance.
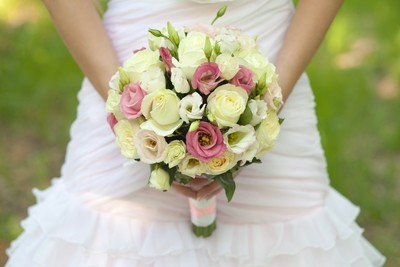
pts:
pixel 179 80
pixel 191 107
pixel 205 142
pixel 244 79
pixel 239 138
pixel 258 109
pixel 206 77
pixel 151 147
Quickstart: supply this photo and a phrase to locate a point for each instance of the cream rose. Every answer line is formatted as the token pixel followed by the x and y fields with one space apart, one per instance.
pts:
pixel 161 109
pixel 220 164
pixel 125 131
pixel 225 105
pixel 150 147
pixel 267 133
pixel 191 166
pixel 159 179
pixel 176 151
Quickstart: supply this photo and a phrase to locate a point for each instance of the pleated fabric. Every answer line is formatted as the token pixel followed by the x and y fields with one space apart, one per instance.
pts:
pixel 284 213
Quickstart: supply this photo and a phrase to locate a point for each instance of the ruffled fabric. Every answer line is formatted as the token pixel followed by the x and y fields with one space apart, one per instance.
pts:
pixel 61 231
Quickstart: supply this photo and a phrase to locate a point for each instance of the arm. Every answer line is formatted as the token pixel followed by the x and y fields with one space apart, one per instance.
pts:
pixel 306 32
pixel 82 30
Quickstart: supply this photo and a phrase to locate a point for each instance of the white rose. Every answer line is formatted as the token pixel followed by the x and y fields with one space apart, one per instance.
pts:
pixel 191 166
pixel 159 179
pixel 221 164
pixel 228 65
pixel 258 109
pixel 125 131
pixel 142 61
pixel 176 151
pixel 225 104
pixel 239 138
pixel 161 109
pixel 153 79
pixel 150 147
pixel 267 133
pixel 191 107
pixel 191 53
pixel 179 80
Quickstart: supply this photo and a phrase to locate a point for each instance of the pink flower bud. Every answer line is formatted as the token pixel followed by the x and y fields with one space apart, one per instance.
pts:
pixel 166 57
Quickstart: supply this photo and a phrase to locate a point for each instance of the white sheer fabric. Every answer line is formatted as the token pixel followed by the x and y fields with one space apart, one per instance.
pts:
pixel 101 213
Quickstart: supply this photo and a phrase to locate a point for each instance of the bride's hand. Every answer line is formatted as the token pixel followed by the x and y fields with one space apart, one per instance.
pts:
pixel 198 188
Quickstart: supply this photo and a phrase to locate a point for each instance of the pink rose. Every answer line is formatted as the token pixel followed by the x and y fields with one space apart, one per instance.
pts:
pixel 206 77
pixel 112 120
pixel 243 79
pixel 131 100
pixel 166 58
pixel 206 142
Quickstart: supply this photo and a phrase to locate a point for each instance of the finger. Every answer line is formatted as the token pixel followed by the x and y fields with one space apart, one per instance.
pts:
pixel 198 183
pixel 209 190
pixel 183 190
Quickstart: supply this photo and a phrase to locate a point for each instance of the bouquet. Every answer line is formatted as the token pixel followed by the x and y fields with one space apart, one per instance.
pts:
pixel 199 102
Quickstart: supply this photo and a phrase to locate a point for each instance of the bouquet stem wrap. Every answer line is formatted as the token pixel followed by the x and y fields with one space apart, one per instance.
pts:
pixel 203 215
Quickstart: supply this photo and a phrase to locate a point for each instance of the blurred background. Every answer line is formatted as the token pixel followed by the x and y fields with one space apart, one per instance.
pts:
pixel 355 75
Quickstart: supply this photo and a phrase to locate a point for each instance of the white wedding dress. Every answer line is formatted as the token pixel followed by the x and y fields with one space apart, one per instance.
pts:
pixel 284 213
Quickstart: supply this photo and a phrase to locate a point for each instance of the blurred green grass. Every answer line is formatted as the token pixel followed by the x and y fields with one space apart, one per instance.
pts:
pixel 356 80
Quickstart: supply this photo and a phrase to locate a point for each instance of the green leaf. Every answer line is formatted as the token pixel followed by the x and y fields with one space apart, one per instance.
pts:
pixel 246 116
pixel 227 183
